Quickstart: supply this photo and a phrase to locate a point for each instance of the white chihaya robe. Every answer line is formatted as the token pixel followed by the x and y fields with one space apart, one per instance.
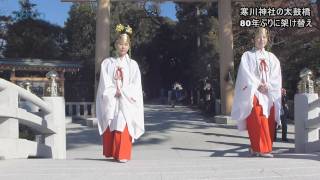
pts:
pixel 114 112
pixel 248 80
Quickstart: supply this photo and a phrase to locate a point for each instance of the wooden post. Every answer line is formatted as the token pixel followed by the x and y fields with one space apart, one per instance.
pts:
pixel 102 37
pixel 226 55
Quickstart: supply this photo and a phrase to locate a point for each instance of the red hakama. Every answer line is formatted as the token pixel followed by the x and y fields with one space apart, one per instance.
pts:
pixel 261 129
pixel 117 144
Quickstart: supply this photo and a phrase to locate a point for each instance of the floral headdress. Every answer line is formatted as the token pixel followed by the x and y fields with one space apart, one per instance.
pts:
pixel 121 29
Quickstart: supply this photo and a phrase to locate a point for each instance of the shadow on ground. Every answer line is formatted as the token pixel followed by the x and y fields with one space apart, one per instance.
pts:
pixel 158 118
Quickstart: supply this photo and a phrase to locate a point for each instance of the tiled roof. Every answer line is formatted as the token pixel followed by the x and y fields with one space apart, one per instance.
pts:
pixel 39 65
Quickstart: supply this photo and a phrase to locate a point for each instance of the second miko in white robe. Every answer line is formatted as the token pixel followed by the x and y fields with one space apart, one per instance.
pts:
pixel 119 103
pixel 257 101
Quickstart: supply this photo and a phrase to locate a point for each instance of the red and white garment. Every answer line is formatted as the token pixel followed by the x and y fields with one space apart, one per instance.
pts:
pixel 256 67
pixel 117 112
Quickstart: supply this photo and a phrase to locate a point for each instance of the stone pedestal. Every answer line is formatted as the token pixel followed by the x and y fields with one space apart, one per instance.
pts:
pixel 57 141
pixel 222 119
pixel 307 122
pixel 92 122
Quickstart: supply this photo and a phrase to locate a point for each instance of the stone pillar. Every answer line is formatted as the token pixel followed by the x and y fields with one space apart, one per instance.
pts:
pixel 306 123
pixel 102 37
pixel 226 55
pixel 85 110
pixel 93 109
pixel 57 117
pixel 62 80
pixel 78 109
pixel 9 127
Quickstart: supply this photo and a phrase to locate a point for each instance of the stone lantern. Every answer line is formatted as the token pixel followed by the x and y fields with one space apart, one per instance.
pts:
pixel 27 85
pixel 52 89
pixel 305 85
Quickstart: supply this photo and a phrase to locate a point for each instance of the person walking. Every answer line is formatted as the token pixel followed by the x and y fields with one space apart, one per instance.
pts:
pixel 257 100
pixel 119 101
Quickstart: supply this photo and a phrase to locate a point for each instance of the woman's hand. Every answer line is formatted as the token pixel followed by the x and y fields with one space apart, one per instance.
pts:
pixel 263 88
pixel 118 77
pixel 119 74
pixel 118 94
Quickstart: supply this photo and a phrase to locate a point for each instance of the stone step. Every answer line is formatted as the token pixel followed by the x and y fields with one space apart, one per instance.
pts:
pixel 192 168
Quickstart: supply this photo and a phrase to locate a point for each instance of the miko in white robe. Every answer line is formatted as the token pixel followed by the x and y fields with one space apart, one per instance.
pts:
pixel 116 113
pixel 250 75
pixel 256 110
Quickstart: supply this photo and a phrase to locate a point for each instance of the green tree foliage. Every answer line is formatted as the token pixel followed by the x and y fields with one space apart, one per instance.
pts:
pixel 161 57
pixel 80 33
pixel 145 21
pixel 197 30
pixel 135 15
pixel 27 11
pixel 4 23
pixel 80 30
pixel 31 38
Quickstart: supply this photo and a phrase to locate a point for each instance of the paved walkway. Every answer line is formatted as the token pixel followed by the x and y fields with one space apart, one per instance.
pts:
pixel 178 144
